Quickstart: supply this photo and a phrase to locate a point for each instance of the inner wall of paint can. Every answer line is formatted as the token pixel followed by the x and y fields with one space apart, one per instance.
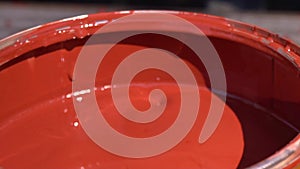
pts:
pixel 262 85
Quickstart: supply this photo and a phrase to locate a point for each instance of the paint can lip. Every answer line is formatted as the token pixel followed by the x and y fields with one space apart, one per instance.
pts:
pixel 289 155
pixel 85 25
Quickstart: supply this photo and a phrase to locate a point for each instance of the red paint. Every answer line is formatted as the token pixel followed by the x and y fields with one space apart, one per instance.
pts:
pixel 38 123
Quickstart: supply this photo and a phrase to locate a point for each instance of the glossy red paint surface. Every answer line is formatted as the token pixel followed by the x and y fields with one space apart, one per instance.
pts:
pixel 39 128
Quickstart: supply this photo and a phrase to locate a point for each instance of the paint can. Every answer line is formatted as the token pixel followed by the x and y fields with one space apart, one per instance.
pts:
pixel 38 116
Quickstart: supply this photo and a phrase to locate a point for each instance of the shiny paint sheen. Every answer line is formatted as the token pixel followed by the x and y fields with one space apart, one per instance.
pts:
pixel 39 128
pixel 51 133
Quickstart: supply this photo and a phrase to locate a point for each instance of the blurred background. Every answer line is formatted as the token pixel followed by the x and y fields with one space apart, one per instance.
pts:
pixel 279 16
